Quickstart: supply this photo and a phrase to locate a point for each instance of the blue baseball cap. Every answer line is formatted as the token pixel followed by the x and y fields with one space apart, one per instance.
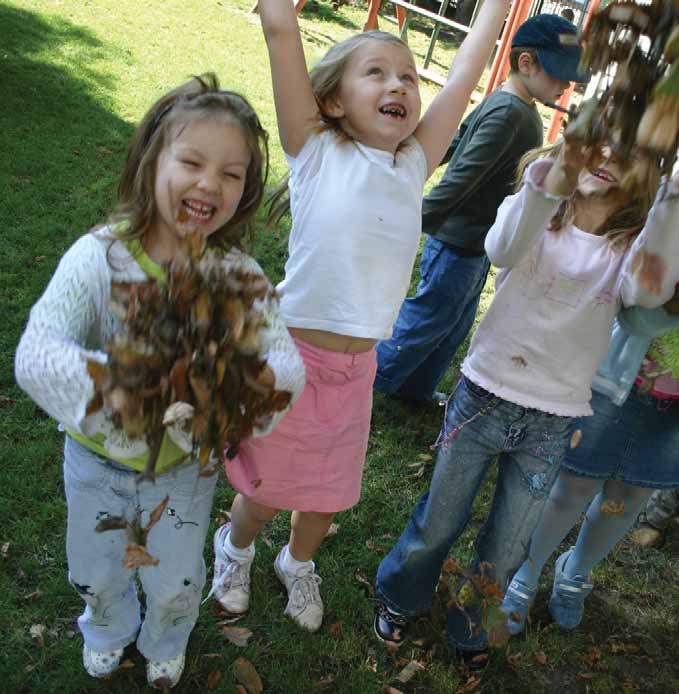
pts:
pixel 555 40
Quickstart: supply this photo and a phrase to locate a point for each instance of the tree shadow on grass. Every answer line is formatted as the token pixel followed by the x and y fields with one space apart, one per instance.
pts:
pixel 61 146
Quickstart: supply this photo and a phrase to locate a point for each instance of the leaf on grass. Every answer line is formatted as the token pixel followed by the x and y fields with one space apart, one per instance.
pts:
pixel 335 629
pixel 540 657
pixel 585 675
pixel 576 437
pixel 469 686
pixel 213 678
pixel 424 457
pixel 136 556
pixel 495 624
pixel 592 656
pixel 416 475
pixel 371 661
pixel 615 508
pixel 409 671
pixel 332 530
pixel 37 634
pixel 34 595
pixel 39 258
pixel 238 636
pixel 390 690
pixel 229 620
pixel 245 673
pixel 515 658
pixel 362 579
pixel 370 545
pixel 325 681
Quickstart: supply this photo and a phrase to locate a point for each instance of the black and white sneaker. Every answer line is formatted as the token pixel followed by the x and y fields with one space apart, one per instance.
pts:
pixel 389 626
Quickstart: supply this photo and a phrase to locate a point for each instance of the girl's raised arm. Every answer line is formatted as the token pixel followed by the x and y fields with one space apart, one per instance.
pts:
pixel 296 107
pixel 440 122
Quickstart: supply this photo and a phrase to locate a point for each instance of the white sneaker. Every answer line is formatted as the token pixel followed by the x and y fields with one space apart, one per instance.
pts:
pixel 101 663
pixel 231 579
pixel 304 599
pixel 164 674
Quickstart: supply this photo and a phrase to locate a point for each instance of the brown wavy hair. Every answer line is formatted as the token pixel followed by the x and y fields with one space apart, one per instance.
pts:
pixel 623 224
pixel 325 78
pixel 197 99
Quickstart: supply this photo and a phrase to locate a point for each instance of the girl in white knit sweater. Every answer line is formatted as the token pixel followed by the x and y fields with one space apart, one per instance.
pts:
pixel 200 153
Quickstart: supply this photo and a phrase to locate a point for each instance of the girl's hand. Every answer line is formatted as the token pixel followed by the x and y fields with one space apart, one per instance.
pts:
pixel 562 179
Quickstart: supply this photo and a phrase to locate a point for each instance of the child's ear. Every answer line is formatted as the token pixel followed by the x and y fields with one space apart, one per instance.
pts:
pixel 332 106
pixel 526 62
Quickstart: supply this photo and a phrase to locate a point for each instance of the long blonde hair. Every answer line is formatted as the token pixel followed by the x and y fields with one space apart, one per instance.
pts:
pixel 623 224
pixel 199 98
pixel 325 78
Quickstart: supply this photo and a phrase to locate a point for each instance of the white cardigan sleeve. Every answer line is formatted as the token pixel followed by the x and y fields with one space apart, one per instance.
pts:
pixel 651 269
pixel 522 218
pixel 51 361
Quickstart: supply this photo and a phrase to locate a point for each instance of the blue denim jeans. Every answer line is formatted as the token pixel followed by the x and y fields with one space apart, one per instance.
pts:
pixel 97 488
pixel 530 445
pixel 433 324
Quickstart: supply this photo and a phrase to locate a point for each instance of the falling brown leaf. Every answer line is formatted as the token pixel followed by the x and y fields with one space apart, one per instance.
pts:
pixel 37 634
pixel 136 556
pixel 245 673
pixel 4 550
pixel 238 636
pixel 326 681
pixel 520 361
pixel 576 437
pixel 335 629
pixel 213 678
pixel 332 530
pixel 409 671
pixel 540 657
pixel 615 508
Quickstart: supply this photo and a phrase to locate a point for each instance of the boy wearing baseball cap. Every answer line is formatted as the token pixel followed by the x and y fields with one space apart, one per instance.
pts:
pixel 458 212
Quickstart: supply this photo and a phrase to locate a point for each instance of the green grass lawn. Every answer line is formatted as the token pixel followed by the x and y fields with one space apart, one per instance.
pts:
pixel 76 76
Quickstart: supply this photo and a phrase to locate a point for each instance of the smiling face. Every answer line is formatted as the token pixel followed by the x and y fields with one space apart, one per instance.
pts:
pixel 378 101
pixel 200 178
pixel 602 177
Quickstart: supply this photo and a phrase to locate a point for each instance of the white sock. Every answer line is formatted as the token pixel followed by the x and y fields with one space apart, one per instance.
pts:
pixel 240 555
pixel 291 565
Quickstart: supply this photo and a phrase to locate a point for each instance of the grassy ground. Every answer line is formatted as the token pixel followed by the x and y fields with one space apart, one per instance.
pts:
pixel 76 76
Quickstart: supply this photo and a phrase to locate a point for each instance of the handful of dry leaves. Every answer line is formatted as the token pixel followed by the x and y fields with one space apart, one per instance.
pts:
pixel 635 107
pixel 188 356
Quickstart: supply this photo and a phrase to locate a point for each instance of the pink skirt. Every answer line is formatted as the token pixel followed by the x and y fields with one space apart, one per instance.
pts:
pixel 313 460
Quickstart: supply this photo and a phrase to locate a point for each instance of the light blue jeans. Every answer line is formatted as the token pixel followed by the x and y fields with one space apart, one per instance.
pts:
pixel 97 488
pixel 530 445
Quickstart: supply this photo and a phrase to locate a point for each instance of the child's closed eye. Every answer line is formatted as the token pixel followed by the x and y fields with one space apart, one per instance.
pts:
pixel 190 162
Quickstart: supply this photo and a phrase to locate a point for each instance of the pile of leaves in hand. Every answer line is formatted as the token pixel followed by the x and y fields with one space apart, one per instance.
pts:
pixel 188 355
pixel 635 107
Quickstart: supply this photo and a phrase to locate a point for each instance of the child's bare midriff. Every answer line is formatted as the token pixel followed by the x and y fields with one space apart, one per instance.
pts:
pixel 333 341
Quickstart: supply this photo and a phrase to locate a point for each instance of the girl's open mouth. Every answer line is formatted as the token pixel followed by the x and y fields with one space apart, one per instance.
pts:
pixel 200 212
pixel 393 111
pixel 604 175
